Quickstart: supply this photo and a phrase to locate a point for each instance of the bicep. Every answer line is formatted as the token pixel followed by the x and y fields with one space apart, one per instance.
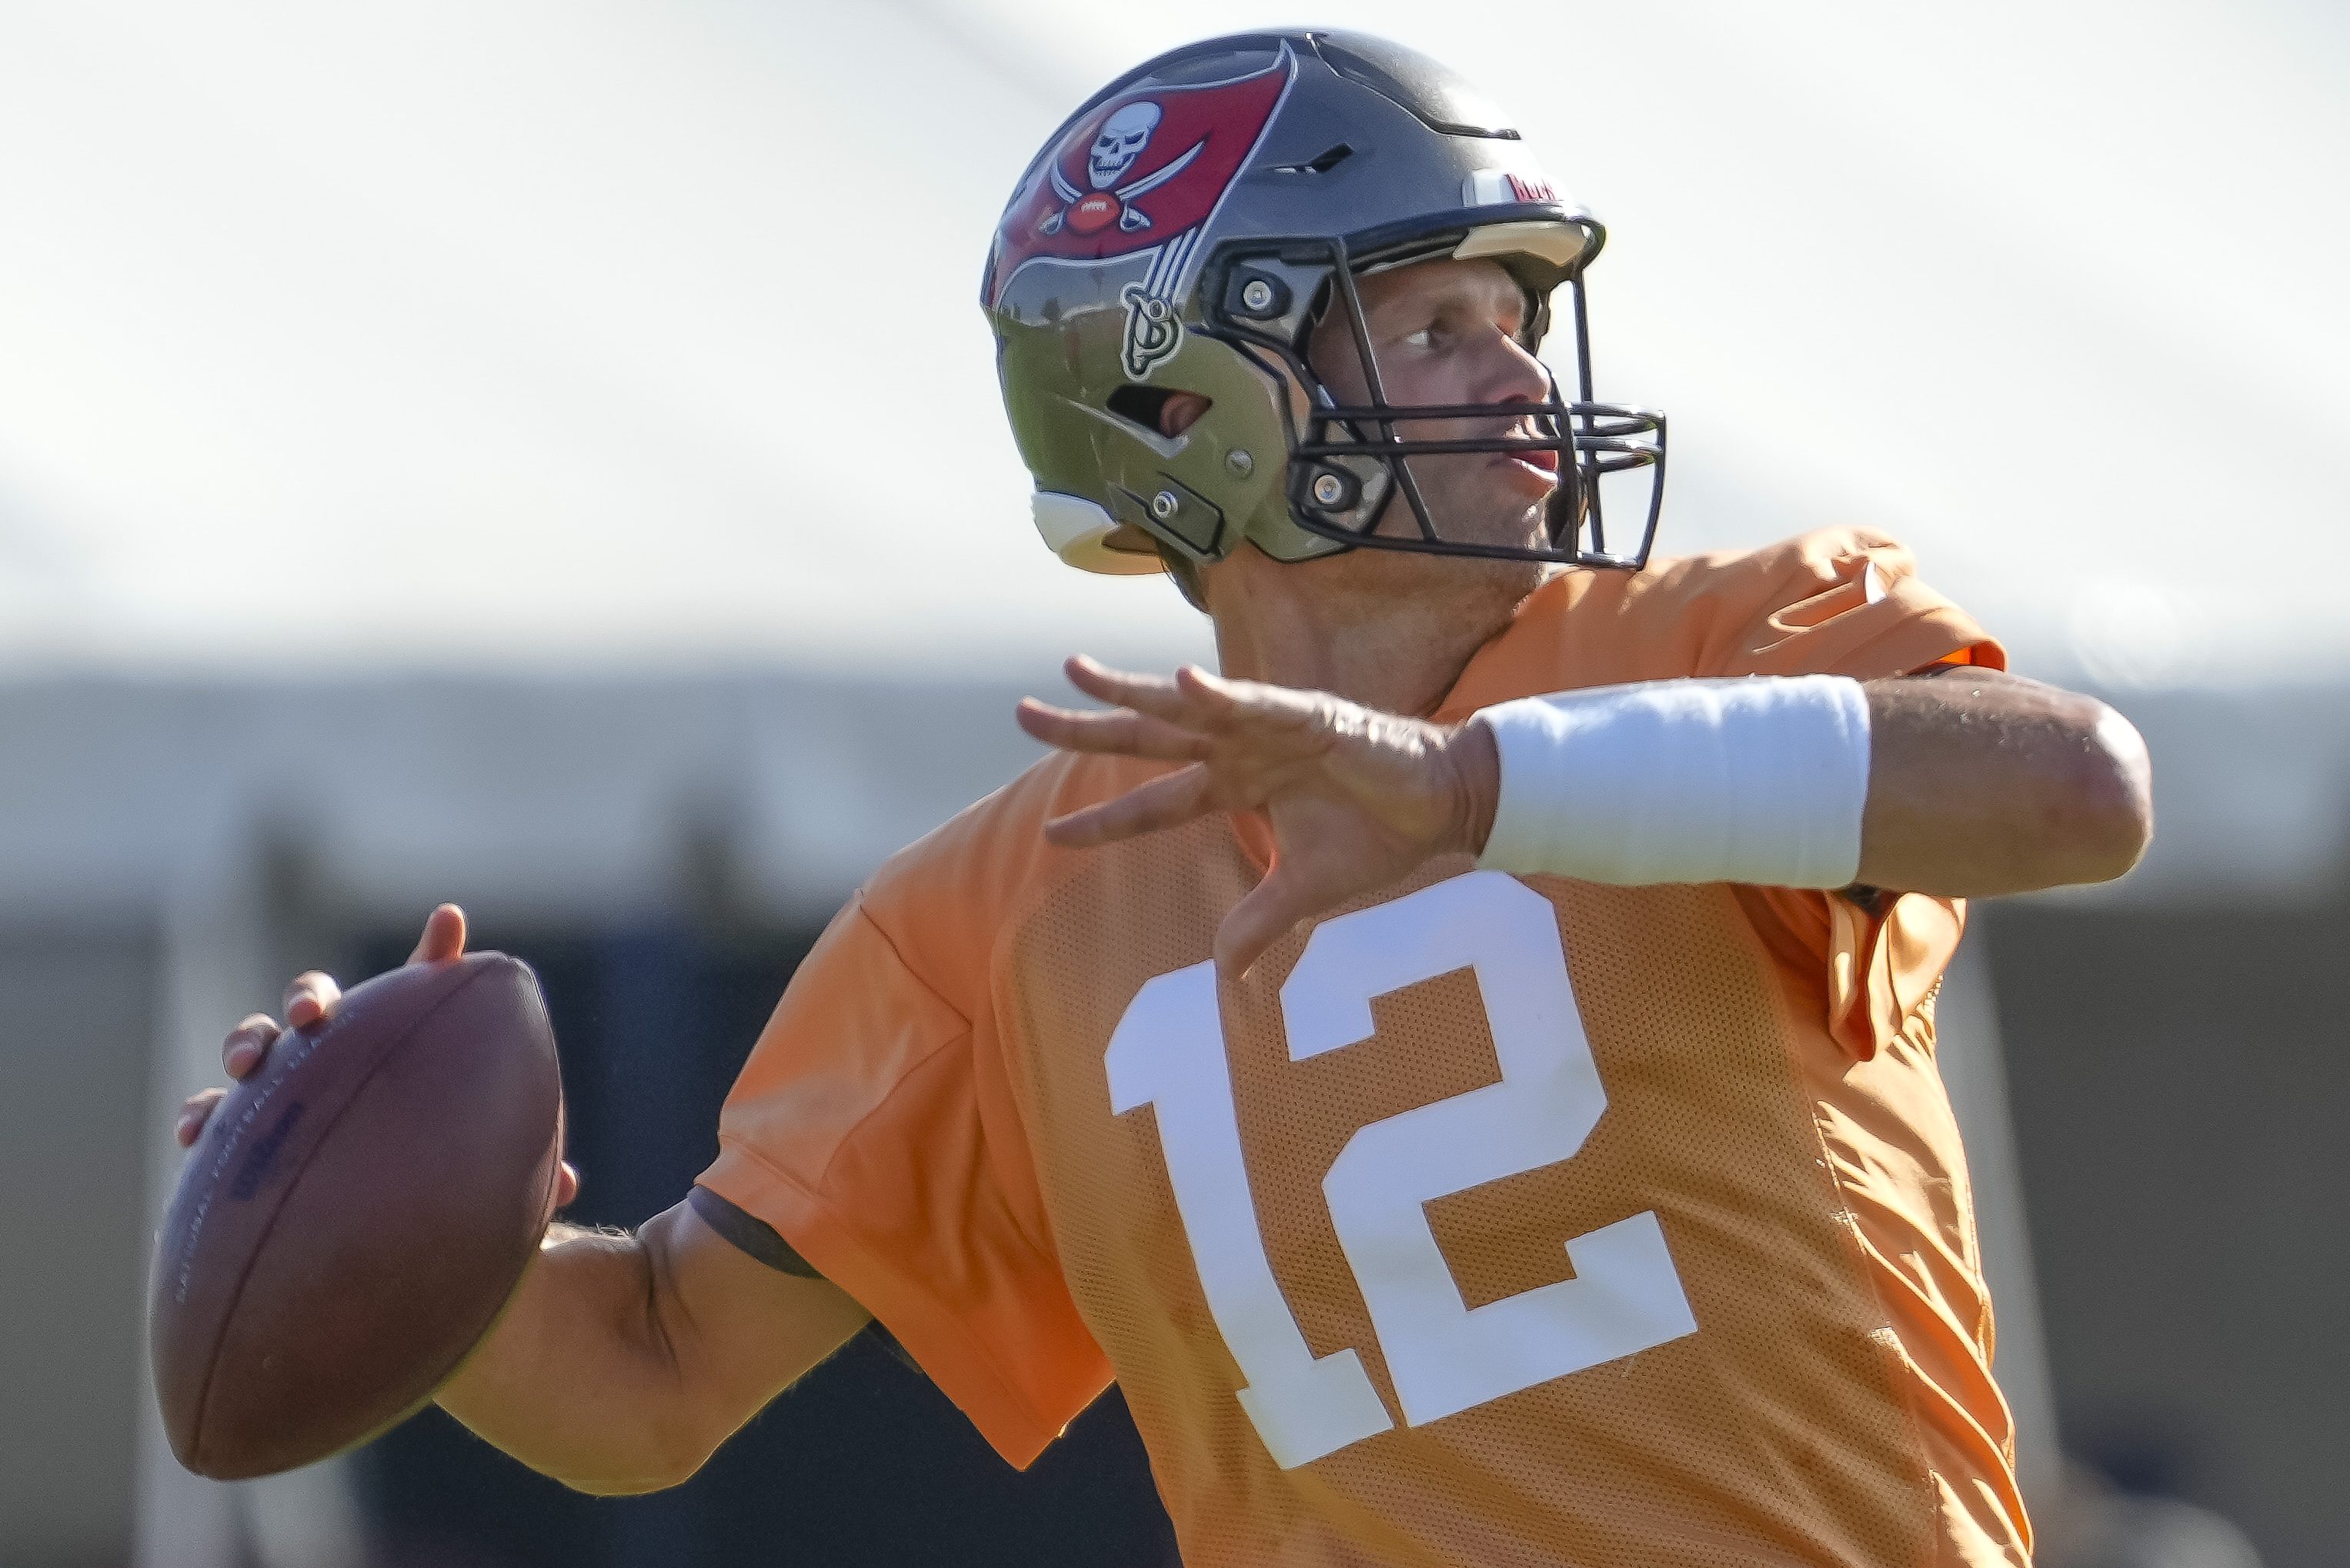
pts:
pixel 738 1331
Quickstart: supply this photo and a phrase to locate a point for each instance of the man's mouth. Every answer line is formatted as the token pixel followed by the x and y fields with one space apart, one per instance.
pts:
pixel 1545 458
pixel 1541 461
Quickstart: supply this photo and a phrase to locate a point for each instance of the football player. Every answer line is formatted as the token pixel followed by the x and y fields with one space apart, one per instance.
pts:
pixel 1466 1070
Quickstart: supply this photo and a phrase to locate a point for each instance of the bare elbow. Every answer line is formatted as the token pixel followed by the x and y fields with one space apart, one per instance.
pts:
pixel 659 1433
pixel 2110 804
pixel 622 1486
pixel 655 1462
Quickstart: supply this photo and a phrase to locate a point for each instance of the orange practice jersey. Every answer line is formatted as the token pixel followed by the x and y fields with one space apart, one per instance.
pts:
pixel 1494 1220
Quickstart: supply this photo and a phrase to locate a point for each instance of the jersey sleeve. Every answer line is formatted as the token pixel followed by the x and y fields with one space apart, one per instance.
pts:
pixel 871 1128
pixel 1846 602
pixel 1867 965
pixel 1842 602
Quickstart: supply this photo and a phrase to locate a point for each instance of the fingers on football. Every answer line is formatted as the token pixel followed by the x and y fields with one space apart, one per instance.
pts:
pixel 246 1044
pixel 194 1114
pixel 1165 802
pixel 443 937
pixel 311 999
pixel 1123 732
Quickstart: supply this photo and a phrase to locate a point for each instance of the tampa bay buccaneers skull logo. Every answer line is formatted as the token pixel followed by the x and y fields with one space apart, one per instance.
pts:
pixel 1119 143
pixel 1130 186
pixel 1114 151
pixel 1140 170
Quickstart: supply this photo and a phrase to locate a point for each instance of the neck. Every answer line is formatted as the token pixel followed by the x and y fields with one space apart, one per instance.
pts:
pixel 1389 630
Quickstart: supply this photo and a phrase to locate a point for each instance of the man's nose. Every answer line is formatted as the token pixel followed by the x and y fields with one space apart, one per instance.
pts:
pixel 1514 375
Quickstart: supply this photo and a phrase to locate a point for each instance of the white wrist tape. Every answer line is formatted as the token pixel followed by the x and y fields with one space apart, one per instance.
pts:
pixel 1760 780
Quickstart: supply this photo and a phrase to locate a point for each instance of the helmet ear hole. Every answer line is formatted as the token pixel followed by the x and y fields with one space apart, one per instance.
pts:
pixel 1161 411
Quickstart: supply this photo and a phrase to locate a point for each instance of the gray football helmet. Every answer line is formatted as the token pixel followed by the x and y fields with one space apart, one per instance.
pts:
pixel 1185 230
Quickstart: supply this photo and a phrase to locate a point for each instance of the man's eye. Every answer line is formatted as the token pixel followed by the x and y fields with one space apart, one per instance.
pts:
pixel 1423 338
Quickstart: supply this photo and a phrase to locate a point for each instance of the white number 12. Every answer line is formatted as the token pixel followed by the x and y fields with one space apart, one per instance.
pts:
pixel 1444 1356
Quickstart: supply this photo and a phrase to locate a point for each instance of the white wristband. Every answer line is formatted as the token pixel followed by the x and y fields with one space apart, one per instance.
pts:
pixel 1760 780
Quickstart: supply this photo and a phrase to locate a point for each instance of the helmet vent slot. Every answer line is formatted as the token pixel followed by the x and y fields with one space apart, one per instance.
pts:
pixel 1322 163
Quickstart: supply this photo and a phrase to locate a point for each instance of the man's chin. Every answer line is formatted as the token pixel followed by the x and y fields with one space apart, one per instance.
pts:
pixel 1505 522
pixel 1515 527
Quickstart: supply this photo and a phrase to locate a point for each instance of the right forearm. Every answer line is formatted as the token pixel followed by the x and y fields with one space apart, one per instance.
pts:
pixel 623 1361
pixel 576 1380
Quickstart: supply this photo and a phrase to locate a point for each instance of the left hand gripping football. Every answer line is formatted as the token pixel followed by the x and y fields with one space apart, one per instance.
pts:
pixel 1358 799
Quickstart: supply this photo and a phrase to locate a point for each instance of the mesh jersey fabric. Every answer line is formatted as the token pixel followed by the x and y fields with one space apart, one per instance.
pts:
pixel 929 1119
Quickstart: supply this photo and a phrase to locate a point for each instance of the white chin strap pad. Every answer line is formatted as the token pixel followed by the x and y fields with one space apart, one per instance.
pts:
pixel 1079 532
pixel 1760 780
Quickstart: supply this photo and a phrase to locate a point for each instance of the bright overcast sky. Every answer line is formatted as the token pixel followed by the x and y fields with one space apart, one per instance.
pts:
pixel 533 332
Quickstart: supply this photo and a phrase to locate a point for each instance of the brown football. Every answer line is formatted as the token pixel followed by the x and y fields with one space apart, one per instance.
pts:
pixel 355 1216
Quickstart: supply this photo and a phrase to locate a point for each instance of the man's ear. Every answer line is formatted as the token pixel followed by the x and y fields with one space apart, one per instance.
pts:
pixel 1180 412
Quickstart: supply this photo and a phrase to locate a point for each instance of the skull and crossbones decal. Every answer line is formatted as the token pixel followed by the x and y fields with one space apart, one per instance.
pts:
pixel 1115 148
pixel 1119 143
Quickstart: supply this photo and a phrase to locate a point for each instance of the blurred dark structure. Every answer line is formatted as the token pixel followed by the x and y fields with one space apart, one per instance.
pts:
pixel 75 1015
pixel 2182 1084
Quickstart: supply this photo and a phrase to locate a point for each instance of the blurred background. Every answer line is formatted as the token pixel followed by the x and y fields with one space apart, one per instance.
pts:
pixel 546 456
